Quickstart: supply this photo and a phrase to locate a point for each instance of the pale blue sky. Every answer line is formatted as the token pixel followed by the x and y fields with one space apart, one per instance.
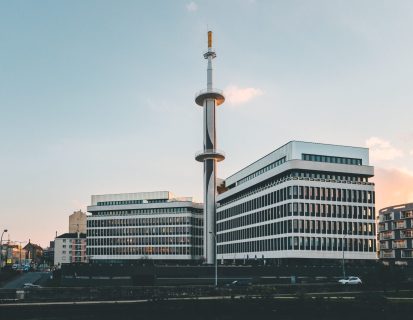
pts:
pixel 98 96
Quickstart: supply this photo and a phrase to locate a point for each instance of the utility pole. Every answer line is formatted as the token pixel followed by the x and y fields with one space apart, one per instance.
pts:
pixel 20 253
pixel 342 247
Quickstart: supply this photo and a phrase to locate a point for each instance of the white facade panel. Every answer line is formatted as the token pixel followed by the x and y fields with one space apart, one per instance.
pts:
pixel 281 152
pixel 156 195
pixel 300 147
pixel 299 165
pixel 293 150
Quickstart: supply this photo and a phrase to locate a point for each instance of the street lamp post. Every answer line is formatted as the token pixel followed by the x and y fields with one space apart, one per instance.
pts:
pixel 342 247
pixel 1 248
pixel 216 259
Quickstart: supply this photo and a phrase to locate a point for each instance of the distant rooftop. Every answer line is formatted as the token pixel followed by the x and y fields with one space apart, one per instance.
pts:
pixel 399 207
pixel 73 235
pixel 32 245
pixel 294 149
pixel 137 197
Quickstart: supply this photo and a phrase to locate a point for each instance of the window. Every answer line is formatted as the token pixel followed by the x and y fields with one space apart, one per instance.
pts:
pixel 261 171
pixel 331 159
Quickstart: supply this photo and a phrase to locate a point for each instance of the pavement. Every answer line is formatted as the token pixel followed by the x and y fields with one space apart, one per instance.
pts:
pixel 28 277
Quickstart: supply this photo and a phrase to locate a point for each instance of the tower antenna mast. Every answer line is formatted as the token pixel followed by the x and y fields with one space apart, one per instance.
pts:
pixel 209 99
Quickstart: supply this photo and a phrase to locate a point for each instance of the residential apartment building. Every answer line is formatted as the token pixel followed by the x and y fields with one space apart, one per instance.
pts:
pixel 145 225
pixel 304 200
pixel 70 248
pixel 395 234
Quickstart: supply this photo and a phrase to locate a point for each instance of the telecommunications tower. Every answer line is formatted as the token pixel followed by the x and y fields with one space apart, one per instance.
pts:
pixel 209 98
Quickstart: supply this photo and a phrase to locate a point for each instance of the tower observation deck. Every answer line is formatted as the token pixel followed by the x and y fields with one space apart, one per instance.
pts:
pixel 209 98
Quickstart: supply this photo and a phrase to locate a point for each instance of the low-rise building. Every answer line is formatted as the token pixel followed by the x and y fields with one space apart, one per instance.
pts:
pixel 34 253
pixel 70 248
pixel 395 234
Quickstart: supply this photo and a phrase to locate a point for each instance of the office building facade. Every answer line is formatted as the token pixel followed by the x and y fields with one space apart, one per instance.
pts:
pixel 395 234
pixel 302 201
pixel 146 225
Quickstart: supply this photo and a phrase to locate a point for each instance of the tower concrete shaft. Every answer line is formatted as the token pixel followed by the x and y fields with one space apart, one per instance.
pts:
pixel 209 99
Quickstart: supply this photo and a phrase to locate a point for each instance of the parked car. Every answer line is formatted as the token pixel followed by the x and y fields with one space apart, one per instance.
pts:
pixel 30 285
pixel 350 280
pixel 240 283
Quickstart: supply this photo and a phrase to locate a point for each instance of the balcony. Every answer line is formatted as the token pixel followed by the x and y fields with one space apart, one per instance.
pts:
pixel 210 154
pixel 387 235
pixel 401 224
pixel 400 244
pixel 407 214
pixel 387 254
pixel 407 254
pixel 386 217
pixel 384 245
pixel 406 234
pixel 382 227
pixel 212 93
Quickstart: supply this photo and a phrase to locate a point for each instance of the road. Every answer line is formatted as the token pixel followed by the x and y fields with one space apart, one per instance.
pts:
pixel 28 277
pixel 212 308
pixel 399 296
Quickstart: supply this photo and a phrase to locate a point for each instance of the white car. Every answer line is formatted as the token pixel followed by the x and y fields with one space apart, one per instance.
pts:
pixel 350 280
pixel 30 285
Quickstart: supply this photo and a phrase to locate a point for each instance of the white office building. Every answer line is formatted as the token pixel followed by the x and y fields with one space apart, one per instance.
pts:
pixel 145 225
pixel 303 200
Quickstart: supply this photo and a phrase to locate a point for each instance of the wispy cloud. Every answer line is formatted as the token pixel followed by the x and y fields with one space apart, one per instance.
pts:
pixel 382 150
pixel 191 7
pixel 236 95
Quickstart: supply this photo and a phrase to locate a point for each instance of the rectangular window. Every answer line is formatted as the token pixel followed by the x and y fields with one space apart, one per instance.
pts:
pixel 331 159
